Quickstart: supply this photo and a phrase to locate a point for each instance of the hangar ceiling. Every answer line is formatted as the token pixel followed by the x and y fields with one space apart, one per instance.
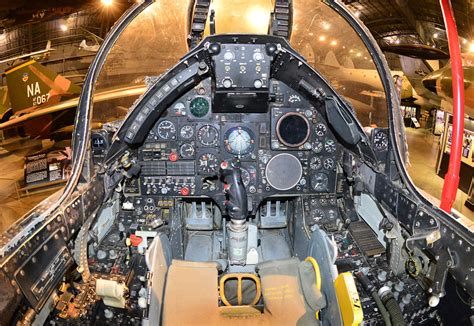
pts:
pixel 408 21
pixel 391 22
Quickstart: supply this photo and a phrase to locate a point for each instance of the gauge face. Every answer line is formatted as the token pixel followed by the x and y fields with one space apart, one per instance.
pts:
pixel 320 182
pixel 320 129
pixel 208 135
pixel 166 130
pixel 293 129
pixel 186 132
pixel 207 163
pixel 330 146
pixel 380 141
pixel 328 164
pixel 239 141
pixel 318 147
pixel 186 151
pixel 245 176
pixel 199 107
pixel 317 215
pixel 315 163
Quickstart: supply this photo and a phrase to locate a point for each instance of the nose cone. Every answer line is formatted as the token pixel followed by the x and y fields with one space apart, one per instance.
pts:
pixel 430 84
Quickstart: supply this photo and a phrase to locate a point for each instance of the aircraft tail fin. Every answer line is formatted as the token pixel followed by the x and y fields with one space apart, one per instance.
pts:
pixel 331 60
pixel 48 45
pixel 83 44
pixel 348 63
pixel 414 68
pixel 4 102
pixel 32 85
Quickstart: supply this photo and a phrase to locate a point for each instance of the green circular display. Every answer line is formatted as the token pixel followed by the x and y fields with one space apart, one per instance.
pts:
pixel 199 107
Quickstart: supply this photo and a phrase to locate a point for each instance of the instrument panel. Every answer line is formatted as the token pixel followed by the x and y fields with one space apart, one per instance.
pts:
pixel 289 149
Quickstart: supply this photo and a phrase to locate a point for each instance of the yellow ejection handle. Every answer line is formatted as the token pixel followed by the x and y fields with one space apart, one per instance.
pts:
pixel 313 262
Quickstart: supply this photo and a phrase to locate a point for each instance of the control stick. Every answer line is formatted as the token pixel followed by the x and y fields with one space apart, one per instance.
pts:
pixel 236 206
pixel 236 202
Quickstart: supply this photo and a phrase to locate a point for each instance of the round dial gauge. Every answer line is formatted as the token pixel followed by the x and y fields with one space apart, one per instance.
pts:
pixel 317 215
pixel 207 163
pixel 293 129
pixel 328 164
pixel 380 141
pixel 320 129
pixel 330 146
pixel 318 147
pixel 245 176
pixel 315 163
pixel 208 135
pixel 166 130
pixel 319 182
pixel 199 107
pixel 186 151
pixel 186 132
pixel 239 141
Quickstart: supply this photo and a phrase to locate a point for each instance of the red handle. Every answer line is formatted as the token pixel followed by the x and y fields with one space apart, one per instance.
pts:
pixel 451 179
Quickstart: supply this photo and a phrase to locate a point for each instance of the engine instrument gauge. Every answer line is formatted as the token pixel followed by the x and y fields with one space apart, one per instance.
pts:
pixel 166 130
pixel 380 141
pixel 319 182
pixel 328 164
pixel 207 163
pixel 315 163
pixel 199 107
pixel 320 129
pixel 208 135
pixel 330 146
pixel 318 147
pixel 186 132
pixel 317 215
pixel 239 141
pixel 186 151
pixel 245 176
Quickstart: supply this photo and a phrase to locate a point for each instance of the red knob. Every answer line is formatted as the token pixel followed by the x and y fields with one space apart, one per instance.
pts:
pixel 173 157
pixel 184 191
pixel 134 240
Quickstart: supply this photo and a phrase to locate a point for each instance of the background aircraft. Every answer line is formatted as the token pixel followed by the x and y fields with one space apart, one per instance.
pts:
pixel 43 102
pixel 433 87
pixel 440 83
pixel 36 54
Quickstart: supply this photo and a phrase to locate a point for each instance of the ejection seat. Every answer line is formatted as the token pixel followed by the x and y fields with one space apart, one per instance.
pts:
pixel 289 295
pixel 193 293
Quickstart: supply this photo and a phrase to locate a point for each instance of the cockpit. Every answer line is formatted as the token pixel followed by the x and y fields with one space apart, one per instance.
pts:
pixel 260 178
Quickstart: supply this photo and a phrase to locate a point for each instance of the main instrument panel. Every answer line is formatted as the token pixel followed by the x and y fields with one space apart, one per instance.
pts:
pixel 289 149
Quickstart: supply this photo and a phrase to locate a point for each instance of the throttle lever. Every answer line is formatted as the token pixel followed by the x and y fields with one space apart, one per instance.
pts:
pixel 236 194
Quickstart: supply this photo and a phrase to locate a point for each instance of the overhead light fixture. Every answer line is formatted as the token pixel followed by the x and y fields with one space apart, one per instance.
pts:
pixel 326 25
pixel 397 41
pixel 464 41
pixel 333 43
pixel 435 35
pixel 471 47
pixel 357 14
pixel 107 3
pixel 63 27
pixel 322 38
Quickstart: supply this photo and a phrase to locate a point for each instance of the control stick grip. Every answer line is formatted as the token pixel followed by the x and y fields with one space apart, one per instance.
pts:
pixel 236 203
